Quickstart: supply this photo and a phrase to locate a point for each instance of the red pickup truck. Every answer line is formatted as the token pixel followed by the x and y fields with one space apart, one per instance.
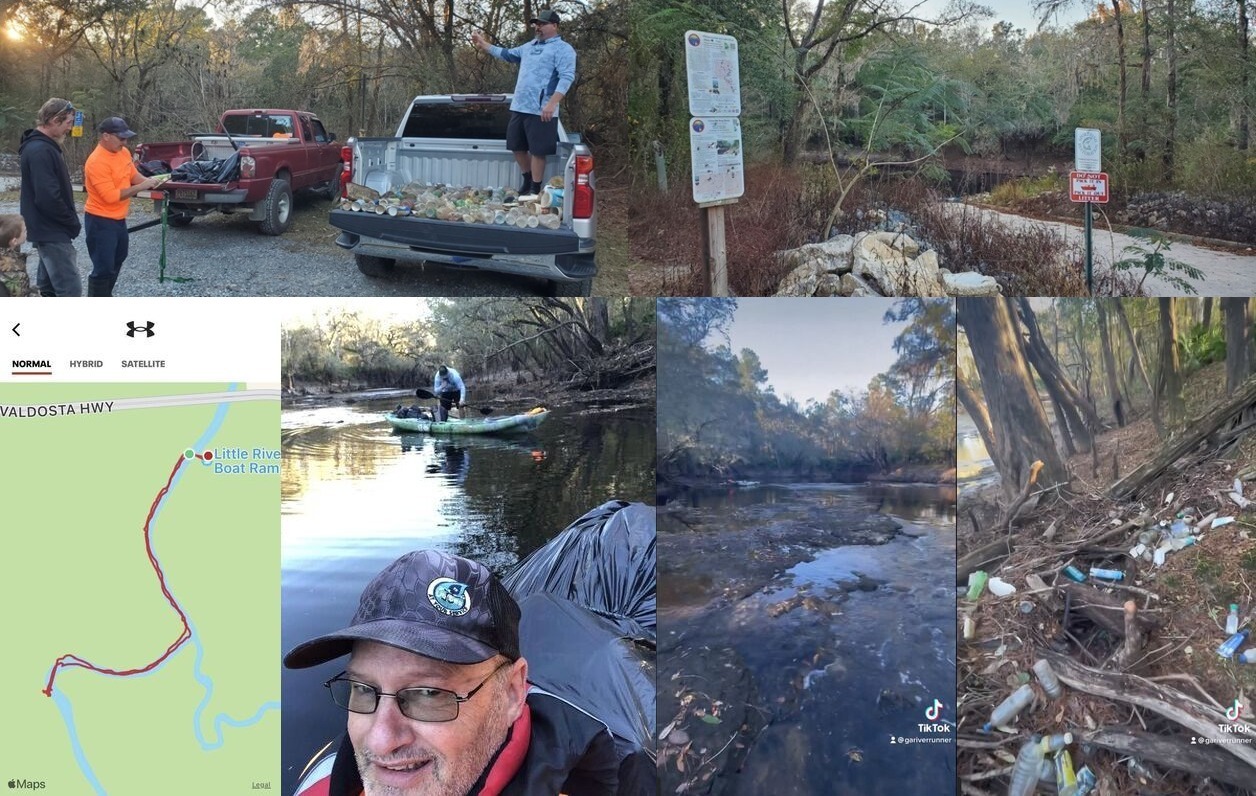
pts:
pixel 252 163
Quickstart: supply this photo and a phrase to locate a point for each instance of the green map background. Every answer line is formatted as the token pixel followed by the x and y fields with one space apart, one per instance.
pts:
pixel 78 580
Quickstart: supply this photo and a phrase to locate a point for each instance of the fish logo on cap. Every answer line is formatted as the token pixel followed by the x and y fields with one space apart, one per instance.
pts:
pixel 449 596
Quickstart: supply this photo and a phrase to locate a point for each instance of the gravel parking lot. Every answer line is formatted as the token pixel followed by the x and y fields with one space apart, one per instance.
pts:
pixel 223 255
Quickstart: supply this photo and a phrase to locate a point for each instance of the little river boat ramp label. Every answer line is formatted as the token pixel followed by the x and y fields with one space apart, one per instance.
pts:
pixel 243 461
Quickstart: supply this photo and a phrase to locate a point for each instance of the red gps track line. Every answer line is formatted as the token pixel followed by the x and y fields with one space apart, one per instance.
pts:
pixel 70 659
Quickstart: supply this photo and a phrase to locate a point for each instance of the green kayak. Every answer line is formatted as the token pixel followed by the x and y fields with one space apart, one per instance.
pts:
pixel 496 425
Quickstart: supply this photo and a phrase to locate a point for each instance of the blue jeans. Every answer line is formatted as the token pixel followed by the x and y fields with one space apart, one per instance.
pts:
pixel 107 245
pixel 57 274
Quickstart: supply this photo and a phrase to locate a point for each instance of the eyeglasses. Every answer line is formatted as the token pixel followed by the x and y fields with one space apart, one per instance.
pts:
pixel 421 703
pixel 69 106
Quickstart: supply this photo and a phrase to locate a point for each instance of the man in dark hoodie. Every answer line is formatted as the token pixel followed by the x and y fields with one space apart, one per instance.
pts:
pixel 52 222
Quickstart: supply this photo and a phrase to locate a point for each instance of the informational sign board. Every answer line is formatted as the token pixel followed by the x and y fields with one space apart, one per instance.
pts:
pixel 77 130
pixel 715 151
pixel 714 79
pixel 1087 149
pixel 1088 186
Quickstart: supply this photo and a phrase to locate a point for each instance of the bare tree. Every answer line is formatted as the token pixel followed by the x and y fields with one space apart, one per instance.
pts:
pixel 1017 420
pixel 1109 364
pixel 1169 380
pixel 1238 324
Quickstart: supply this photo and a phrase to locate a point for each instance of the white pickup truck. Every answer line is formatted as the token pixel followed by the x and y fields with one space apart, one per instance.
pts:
pixel 459 140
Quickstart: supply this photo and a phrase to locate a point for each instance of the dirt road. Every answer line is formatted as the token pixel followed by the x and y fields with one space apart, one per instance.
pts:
pixel 1225 273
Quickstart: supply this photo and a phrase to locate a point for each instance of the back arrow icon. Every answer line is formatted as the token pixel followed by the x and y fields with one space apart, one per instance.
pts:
pixel 15 331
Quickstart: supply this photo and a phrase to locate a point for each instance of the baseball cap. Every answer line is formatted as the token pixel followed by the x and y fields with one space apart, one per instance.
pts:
pixel 548 15
pixel 117 126
pixel 430 603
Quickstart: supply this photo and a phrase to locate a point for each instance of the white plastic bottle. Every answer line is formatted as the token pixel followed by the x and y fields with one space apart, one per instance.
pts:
pixel 1010 707
pixel 1046 676
pixel 1027 769
pixel 1232 620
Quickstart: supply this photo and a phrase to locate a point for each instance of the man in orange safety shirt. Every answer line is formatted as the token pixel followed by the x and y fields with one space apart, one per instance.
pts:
pixel 111 179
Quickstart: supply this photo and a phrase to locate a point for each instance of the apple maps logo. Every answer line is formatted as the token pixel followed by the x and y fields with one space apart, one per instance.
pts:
pixel 26 784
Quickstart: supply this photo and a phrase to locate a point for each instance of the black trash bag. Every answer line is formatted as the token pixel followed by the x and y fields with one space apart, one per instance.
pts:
pixel 587 601
pixel 215 171
pixel 151 168
pixel 604 561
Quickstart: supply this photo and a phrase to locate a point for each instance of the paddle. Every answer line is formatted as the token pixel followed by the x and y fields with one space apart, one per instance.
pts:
pixel 427 395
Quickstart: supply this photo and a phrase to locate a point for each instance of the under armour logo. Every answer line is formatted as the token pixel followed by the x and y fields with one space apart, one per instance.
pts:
pixel 146 328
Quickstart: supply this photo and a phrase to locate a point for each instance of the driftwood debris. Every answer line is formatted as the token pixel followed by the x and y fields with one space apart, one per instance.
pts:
pixel 1135 639
pixel 1196 431
pixel 1015 506
pixel 1105 610
pixel 1176 752
pixel 985 557
pixel 1199 718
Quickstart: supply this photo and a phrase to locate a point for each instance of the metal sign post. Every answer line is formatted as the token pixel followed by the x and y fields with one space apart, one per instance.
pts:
pixel 1088 184
pixel 714 143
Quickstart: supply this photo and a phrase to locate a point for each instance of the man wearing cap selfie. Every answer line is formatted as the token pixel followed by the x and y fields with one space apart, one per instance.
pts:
pixel 111 179
pixel 438 699
pixel 547 68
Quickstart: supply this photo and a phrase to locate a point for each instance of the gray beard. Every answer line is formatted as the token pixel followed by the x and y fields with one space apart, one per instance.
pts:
pixel 453 777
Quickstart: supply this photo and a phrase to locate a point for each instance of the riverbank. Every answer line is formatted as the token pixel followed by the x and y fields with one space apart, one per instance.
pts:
pixel 494 395
pixel 670 484
pixel 792 622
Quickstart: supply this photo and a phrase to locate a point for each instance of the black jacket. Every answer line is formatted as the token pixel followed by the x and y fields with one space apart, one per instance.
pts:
pixel 47 198
pixel 569 752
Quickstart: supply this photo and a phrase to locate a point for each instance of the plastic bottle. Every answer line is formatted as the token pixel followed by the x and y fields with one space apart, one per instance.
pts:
pixel 1179 528
pixel 1248 656
pixel 1028 767
pixel 1065 779
pixel 1073 573
pixel 1232 644
pixel 1008 708
pixel 977 583
pixel 1232 620
pixel 1054 743
pixel 1107 574
pixel 1046 676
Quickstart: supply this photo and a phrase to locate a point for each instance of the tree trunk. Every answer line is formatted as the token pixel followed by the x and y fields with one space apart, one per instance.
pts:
pixel 974 407
pixel 1083 421
pixel 1207 319
pixel 1144 91
pixel 1122 81
pixel 1238 322
pixel 1170 133
pixel 1244 67
pixel 1018 422
pixel 1170 381
pixel 1109 365
pixel 1137 355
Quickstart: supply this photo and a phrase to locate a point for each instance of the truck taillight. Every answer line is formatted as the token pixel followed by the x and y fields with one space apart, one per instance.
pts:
pixel 346 175
pixel 248 167
pixel 583 204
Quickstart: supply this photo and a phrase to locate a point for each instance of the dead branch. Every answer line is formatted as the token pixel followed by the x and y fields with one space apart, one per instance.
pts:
pixel 1190 713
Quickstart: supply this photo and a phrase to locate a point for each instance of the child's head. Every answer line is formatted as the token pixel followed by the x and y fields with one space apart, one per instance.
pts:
pixel 12 231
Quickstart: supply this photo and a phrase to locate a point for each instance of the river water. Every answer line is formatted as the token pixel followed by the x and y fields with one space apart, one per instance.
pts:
pixel 846 683
pixel 356 496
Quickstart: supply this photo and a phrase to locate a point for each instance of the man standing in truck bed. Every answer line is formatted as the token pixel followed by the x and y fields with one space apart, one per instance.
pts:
pixel 547 68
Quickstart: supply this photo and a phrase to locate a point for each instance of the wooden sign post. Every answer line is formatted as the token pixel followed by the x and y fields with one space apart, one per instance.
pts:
pixel 714 144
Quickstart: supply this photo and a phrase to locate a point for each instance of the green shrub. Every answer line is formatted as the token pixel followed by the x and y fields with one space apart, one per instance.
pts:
pixel 1209 166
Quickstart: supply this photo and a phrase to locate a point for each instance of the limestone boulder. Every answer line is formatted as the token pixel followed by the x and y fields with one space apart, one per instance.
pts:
pixel 969 283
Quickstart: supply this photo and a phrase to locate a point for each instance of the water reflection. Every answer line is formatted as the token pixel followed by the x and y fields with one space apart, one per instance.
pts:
pixel 356 495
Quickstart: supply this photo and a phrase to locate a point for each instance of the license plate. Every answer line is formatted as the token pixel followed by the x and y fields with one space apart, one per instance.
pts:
pixel 186 193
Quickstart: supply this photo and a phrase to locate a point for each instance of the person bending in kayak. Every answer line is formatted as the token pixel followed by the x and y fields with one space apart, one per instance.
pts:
pixel 449 390
pixel 438 697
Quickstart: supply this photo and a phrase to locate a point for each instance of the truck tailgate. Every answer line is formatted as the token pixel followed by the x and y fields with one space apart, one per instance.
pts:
pixel 456 237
